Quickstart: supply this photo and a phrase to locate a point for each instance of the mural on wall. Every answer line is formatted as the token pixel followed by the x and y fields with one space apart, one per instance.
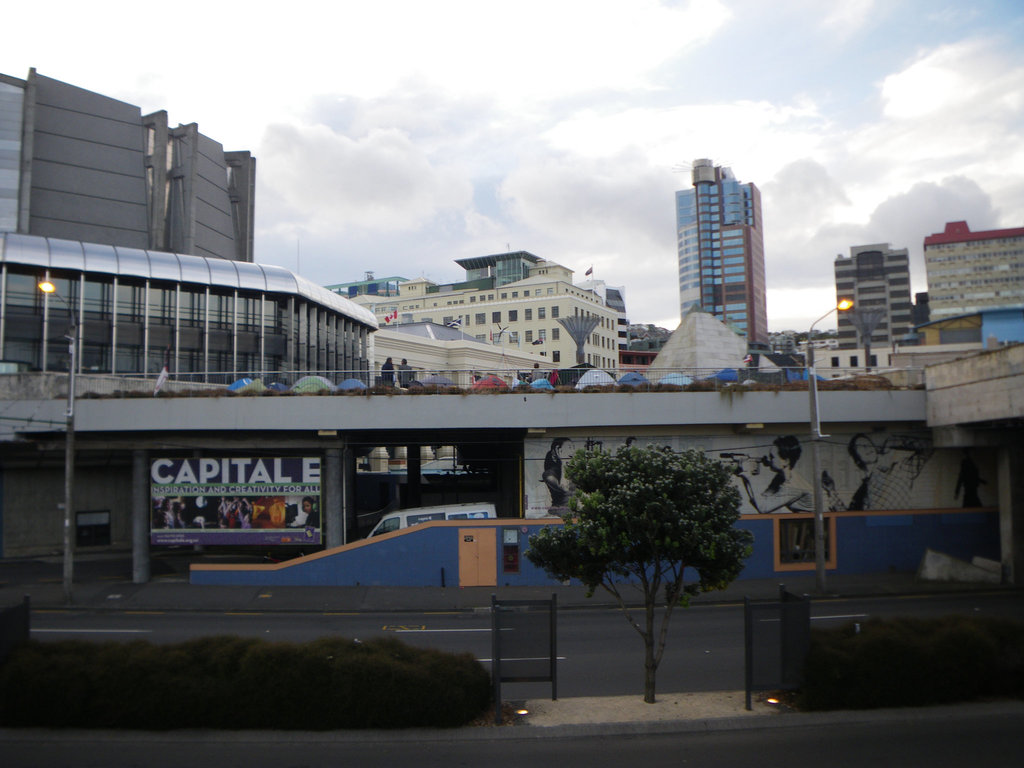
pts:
pixel 862 471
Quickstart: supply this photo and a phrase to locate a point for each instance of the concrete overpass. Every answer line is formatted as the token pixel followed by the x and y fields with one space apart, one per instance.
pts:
pixel 116 438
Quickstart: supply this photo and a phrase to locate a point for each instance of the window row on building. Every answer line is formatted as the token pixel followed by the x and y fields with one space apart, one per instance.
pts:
pixel 136 311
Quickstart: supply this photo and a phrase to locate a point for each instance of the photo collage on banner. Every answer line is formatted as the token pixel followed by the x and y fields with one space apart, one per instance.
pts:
pixel 261 501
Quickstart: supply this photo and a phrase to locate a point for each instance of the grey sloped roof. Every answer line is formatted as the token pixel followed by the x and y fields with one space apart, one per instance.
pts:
pixel 428 330
pixel 53 253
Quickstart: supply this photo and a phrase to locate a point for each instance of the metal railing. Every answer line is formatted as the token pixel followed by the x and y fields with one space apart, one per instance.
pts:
pixel 50 385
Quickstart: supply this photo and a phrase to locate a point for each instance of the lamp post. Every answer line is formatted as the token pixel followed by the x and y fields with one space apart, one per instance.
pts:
pixel 69 443
pixel 816 436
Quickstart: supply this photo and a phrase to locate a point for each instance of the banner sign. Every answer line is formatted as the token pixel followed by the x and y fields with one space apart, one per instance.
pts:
pixel 261 501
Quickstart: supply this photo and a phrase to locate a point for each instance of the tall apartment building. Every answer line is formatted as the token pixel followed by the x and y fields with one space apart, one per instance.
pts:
pixel 721 250
pixel 877 278
pixel 77 165
pixel 511 299
pixel 972 271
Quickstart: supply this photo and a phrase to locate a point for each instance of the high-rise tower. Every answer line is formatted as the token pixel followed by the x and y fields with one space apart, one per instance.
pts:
pixel 877 279
pixel 721 249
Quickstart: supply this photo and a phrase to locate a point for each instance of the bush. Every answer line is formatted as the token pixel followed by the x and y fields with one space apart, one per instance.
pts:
pixel 235 683
pixel 913 662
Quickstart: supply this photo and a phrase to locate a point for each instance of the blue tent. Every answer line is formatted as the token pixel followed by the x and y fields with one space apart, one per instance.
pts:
pixel 277 386
pixel 349 384
pixel 633 379
pixel 541 384
pixel 726 374
pixel 246 386
pixel 678 379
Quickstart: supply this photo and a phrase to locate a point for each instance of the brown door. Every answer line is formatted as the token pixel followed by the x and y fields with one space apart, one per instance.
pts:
pixel 478 557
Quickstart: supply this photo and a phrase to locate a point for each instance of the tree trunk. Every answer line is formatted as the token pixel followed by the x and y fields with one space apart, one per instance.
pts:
pixel 650 664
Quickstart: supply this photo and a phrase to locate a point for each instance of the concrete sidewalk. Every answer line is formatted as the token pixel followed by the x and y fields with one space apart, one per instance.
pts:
pixel 103 582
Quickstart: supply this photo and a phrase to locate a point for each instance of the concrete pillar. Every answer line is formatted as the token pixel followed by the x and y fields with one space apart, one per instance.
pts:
pixel 414 490
pixel 334 520
pixel 348 491
pixel 141 512
pixel 1011 512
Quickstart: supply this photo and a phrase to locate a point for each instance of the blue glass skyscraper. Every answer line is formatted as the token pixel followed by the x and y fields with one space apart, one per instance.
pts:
pixel 721 249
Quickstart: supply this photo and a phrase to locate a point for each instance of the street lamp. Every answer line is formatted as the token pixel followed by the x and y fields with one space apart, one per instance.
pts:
pixel 816 436
pixel 69 442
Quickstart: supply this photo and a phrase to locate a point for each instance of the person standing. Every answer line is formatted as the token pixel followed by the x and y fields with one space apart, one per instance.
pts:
pixel 404 373
pixel 387 373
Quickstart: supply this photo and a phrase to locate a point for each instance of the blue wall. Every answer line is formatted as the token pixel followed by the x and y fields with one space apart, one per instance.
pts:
pixel 428 555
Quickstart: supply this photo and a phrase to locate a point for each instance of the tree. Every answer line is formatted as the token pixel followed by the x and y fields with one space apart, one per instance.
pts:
pixel 645 517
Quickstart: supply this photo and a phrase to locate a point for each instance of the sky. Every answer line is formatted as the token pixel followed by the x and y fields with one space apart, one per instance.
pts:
pixel 397 136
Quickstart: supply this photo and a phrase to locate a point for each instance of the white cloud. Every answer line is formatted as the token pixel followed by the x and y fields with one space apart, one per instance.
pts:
pixel 331 182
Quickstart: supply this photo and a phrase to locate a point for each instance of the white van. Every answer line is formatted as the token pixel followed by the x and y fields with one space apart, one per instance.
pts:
pixel 394 521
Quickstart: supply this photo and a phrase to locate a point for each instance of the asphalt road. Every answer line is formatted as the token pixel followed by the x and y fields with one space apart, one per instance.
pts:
pixel 942 739
pixel 599 653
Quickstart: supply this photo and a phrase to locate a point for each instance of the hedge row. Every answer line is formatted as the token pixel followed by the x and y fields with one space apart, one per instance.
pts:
pixel 913 662
pixel 231 683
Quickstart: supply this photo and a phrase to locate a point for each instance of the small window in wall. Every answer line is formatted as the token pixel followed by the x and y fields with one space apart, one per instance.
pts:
pixel 873 360
pixel 556 356
pixel 835 362
pixel 853 361
pixel 794 543
pixel 92 529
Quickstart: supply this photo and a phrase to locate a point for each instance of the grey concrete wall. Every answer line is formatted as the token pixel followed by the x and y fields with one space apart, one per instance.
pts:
pixel 985 387
pixel 87 173
pixel 33 499
pixel 535 410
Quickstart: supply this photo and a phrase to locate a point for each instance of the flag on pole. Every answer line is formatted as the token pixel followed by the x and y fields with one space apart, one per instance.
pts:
pixel 164 373
pixel 535 342
pixel 748 359
pixel 589 272
pixel 456 323
pixel 391 316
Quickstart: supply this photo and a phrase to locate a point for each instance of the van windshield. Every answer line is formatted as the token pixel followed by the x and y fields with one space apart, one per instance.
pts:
pixel 387 525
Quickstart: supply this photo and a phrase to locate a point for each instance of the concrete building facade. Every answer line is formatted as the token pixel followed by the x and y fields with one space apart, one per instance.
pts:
pixel 720 240
pixel 78 165
pixel 972 271
pixel 877 278
pixel 513 300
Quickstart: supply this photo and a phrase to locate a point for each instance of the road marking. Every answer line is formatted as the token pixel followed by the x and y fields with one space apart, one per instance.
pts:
pixel 425 630
pixel 525 658
pixel 821 618
pixel 95 631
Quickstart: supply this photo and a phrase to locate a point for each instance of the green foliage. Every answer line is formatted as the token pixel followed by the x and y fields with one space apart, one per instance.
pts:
pixel 646 514
pixel 913 662
pixel 235 683
pixel 645 517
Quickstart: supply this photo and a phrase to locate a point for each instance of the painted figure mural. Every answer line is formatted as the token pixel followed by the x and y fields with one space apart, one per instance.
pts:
pixel 860 472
